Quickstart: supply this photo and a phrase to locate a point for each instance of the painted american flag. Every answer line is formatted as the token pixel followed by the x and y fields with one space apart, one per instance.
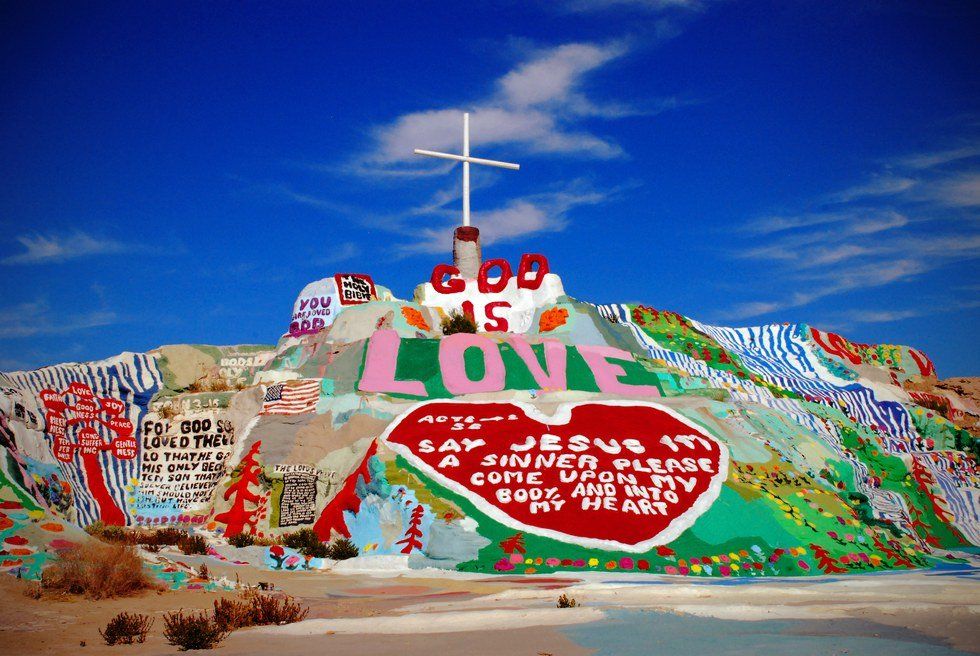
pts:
pixel 291 399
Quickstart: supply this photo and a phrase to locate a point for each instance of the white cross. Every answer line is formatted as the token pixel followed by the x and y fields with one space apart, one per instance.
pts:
pixel 467 160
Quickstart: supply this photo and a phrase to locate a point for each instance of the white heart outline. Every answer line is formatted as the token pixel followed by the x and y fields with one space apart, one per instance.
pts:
pixel 562 415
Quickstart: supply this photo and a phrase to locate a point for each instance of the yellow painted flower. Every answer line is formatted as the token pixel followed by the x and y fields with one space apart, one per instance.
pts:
pixel 593 562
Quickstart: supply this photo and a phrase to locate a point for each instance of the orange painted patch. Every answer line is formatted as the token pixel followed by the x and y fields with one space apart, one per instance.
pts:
pixel 54 528
pixel 20 551
pixel 11 563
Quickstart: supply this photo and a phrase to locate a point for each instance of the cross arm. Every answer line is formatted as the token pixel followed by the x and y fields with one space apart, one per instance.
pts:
pixel 471 160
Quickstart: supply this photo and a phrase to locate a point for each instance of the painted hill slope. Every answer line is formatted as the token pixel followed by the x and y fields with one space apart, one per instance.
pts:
pixel 562 436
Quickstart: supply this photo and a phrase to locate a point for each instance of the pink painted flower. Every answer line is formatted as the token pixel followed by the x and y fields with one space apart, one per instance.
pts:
pixel 503 565
pixel 552 562
pixel 803 565
pixel 670 569
pixel 626 563
pixel 725 570
pixel 516 558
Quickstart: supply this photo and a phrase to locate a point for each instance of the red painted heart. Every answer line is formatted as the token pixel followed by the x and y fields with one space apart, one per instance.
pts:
pixel 613 475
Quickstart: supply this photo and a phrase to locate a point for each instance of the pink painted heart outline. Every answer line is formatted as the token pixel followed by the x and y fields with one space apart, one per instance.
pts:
pixel 562 416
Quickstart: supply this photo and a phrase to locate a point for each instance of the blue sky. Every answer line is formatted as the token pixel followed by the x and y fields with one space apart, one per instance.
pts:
pixel 176 172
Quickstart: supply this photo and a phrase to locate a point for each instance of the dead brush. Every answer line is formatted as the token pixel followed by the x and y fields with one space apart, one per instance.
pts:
pixel 253 608
pixel 192 630
pixel 98 571
pixel 126 628
pixel 34 590
pixel 193 544
pixel 564 601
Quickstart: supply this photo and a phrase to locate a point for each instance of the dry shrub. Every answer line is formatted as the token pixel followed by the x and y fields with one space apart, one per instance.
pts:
pixel 193 630
pixel 168 536
pixel 255 609
pixel 98 571
pixel 565 602
pixel 242 540
pixel 34 590
pixel 107 533
pixel 193 544
pixel 126 628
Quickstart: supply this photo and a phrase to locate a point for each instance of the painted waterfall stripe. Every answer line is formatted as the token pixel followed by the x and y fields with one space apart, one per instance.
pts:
pixel 595 498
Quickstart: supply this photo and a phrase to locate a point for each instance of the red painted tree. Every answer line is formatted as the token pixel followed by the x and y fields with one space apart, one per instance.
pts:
pixel 824 560
pixel 892 554
pixel 332 517
pixel 79 420
pixel 514 543
pixel 924 481
pixel 413 536
pixel 239 516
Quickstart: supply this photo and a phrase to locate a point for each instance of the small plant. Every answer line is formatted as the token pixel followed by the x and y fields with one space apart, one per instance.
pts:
pixel 98 571
pixel 242 540
pixel 126 628
pixel 193 544
pixel 307 542
pixel 342 549
pixel 168 536
pixel 192 630
pixel 203 572
pixel 255 609
pixel 34 590
pixel 231 614
pixel 115 534
pixel 268 609
pixel 457 322
pixel 565 602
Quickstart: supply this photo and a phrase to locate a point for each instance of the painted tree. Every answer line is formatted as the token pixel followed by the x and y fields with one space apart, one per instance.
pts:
pixel 925 481
pixel 892 554
pixel 245 508
pixel 513 544
pixel 346 499
pixel 824 560
pixel 413 536
pixel 82 420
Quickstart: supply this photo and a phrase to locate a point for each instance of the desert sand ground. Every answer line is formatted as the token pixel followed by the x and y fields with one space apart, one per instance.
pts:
pixel 914 613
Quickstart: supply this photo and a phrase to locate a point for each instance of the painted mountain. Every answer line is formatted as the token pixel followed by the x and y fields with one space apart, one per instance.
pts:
pixel 560 436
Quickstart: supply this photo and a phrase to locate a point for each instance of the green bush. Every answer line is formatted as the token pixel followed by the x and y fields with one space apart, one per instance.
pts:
pixel 457 322
pixel 307 542
pixel 342 549
pixel 126 628
pixel 193 630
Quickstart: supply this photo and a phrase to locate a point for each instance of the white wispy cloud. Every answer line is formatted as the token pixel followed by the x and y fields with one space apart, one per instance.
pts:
pixel 39 318
pixel 519 218
pixel 340 253
pixel 541 106
pixel 893 227
pixel 40 249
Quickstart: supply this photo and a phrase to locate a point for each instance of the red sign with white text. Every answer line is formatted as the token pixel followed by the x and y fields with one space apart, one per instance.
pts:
pixel 614 475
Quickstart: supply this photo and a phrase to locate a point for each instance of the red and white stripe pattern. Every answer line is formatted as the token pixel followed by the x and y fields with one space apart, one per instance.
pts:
pixel 291 398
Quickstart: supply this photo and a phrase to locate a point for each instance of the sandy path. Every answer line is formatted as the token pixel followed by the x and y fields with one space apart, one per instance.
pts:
pixel 382 614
